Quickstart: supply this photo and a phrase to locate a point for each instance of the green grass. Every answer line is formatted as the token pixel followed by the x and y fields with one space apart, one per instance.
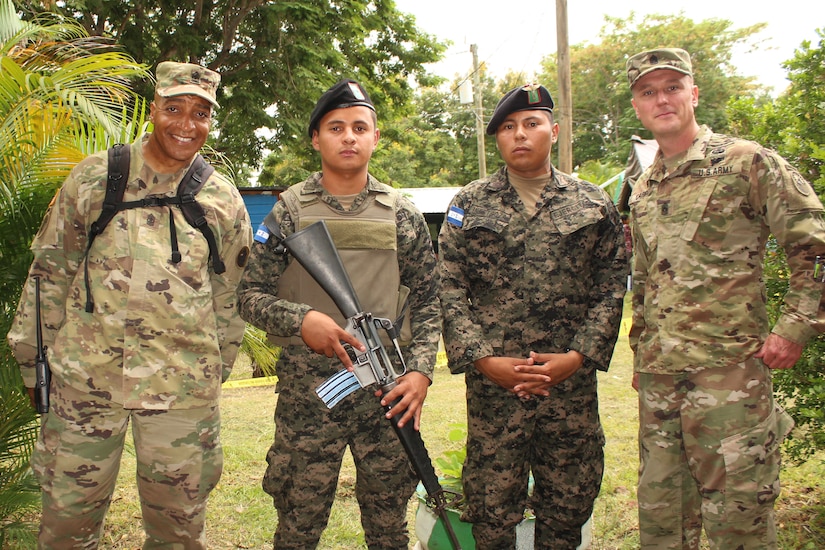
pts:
pixel 241 515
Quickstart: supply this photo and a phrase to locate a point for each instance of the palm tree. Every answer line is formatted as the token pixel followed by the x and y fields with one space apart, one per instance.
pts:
pixel 63 95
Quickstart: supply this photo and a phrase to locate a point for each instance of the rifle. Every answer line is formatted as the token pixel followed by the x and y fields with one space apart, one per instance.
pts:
pixel 313 248
pixel 42 372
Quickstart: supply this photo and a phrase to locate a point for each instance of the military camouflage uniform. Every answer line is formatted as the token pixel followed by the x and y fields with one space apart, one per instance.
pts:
pixel 546 283
pixel 155 349
pixel 709 429
pixel 310 439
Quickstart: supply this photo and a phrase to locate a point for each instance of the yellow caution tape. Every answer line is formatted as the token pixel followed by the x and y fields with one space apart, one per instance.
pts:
pixel 624 329
pixel 251 382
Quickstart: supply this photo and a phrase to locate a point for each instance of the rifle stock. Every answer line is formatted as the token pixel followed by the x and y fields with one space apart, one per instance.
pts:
pixel 314 249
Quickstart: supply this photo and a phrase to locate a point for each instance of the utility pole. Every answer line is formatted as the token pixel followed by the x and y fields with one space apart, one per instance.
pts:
pixel 482 161
pixel 565 99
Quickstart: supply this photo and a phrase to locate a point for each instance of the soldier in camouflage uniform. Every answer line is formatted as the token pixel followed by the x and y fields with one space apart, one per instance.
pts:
pixel 385 246
pixel 159 340
pixel 710 432
pixel 533 268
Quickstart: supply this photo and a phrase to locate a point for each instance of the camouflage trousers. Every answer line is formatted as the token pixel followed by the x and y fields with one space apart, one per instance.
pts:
pixel 305 459
pixel 558 438
pixel 709 457
pixel 77 459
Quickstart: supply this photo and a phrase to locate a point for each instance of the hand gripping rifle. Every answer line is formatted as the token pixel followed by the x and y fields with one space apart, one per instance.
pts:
pixel 315 251
pixel 42 372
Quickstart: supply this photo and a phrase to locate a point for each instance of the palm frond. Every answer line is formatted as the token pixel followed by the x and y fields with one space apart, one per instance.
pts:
pixel 10 22
pixel 263 354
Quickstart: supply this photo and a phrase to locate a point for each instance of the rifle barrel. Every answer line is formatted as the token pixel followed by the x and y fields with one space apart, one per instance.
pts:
pixel 419 458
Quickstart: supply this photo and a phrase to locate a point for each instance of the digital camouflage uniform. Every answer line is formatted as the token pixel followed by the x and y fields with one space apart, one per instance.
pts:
pixel 310 439
pixel 546 283
pixel 155 349
pixel 710 432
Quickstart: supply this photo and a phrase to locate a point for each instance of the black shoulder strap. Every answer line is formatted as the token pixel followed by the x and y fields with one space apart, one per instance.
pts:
pixel 194 213
pixel 197 175
pixel 117 176
pixel 116 180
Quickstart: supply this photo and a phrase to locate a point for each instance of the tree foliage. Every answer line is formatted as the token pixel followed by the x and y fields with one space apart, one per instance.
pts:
pixel 804 136
pixel 438 145
pixel 603 117
pixel 275 57
pixel 794 124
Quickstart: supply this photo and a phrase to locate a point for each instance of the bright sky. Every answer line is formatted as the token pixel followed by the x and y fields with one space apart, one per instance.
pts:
pixel 517 34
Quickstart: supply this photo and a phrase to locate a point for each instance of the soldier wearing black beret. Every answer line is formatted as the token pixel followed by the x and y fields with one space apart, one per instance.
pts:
pixel 386 249
pixel 523 98
pixel 346 93
pixel 533 269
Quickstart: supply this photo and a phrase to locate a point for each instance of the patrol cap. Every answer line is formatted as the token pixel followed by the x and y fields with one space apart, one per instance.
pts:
pixel 674 59
pixel 524 98
pixel 345 93
pixel 175 79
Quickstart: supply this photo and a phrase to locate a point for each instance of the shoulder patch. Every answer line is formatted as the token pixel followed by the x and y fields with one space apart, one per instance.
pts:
pixel 262 234
pixel 800 183
pixel 456 216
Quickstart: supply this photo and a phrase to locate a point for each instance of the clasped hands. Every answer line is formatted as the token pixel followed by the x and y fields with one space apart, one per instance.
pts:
pixel 533 375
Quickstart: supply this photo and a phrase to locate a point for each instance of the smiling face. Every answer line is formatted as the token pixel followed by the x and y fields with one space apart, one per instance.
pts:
pixel 664 101
pixel 525 139
pixel 181 126
pixel 346 139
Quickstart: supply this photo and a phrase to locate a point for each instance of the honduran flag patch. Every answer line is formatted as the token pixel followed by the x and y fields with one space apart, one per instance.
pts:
pixel 262 234
pixel 455 216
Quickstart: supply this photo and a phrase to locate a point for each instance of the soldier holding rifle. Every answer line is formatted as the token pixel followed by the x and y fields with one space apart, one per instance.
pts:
pixel 386 249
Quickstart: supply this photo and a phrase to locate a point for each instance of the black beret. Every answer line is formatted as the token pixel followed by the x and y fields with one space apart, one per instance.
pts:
pixel 524 98
pixel 345 93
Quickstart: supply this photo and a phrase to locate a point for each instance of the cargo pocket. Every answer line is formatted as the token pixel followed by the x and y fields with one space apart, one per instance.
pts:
pixel 275 482
pixel 752 461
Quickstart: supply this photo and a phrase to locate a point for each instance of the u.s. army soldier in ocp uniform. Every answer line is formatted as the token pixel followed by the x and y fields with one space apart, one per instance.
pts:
pixel 386 249
pixel 533 269
pixel 158 342
pixel 701 215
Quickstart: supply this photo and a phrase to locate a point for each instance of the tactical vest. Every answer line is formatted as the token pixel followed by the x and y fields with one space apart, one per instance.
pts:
pixel 367 243
pixel 117 178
